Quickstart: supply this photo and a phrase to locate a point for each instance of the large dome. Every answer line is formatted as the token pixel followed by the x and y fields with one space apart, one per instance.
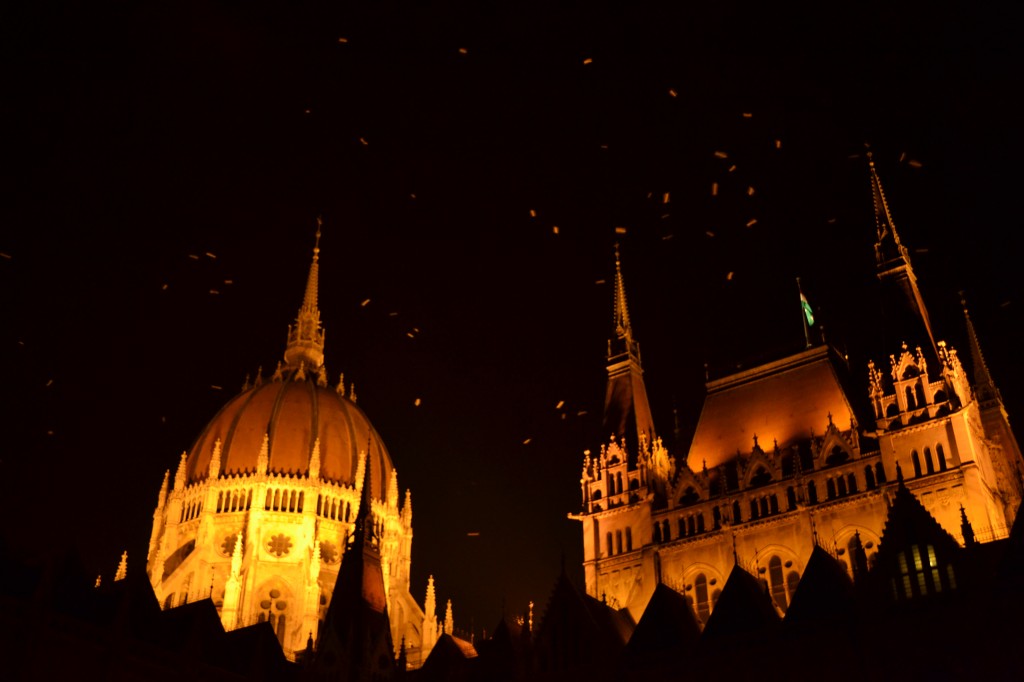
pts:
pixel 293 413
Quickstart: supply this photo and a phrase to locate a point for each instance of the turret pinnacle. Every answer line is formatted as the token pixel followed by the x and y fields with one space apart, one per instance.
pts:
pixel 306 336
pixel 905 311
pixel 122 567
pixel 985 389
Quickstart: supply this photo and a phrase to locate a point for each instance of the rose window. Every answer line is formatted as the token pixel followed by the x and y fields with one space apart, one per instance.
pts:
pixel 279 545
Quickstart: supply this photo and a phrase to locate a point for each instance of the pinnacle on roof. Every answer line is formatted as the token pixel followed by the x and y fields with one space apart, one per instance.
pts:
pixel 306 336
pixel 983 384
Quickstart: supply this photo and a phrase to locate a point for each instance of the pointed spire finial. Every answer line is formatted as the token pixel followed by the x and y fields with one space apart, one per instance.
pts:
pixel 306 336
pixel 179 476
pixel 214 470
pixel 623 329
pixel 263 458
pixel 314 460
pixel 122 567
pixel 966 529
pixel 984 386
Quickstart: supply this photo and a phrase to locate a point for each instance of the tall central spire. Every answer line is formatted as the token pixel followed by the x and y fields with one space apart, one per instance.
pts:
pixel 306 336
pixel 627 413
pixel 905 311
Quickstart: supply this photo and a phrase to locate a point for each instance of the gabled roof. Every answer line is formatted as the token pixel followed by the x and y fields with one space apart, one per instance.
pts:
pixel 601 631
pixel 744 607
pixel 909 523
pixel 785 401
pixel 667 626
pixel 825 593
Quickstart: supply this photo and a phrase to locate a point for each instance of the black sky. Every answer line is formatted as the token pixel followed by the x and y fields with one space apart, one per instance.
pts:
pixel 138 134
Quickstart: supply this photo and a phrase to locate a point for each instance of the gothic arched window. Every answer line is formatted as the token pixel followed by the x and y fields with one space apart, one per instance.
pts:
pixel 700 588
pixel 869 478
pixel 778 586
pixel 916 459
pixel 941 455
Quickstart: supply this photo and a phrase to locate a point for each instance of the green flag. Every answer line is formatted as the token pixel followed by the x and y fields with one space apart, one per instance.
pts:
pixel 807 310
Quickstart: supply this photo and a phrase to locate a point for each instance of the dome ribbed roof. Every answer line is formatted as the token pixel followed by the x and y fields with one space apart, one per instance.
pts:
pixel 293 414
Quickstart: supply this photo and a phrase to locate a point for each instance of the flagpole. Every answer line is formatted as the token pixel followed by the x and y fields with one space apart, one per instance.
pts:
pixel 803 315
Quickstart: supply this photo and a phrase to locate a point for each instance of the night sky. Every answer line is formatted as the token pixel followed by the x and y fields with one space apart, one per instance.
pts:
pixel 164 164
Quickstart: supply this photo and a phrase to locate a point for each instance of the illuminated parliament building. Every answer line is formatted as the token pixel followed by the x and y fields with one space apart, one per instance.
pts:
pixel 784 459
pixel 825 522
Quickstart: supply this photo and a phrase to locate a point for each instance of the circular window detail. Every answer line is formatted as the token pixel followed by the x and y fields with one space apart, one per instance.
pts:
pixel 329 553
pixel 227 548
pixel 279 545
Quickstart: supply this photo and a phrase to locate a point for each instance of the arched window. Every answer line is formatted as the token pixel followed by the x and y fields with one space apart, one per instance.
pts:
pixel 911 404
pixel 764 506
pixel 753 510
pixel 941 455
pixel 691 525
pixel 657 533
pixel 851 482
pixel 830 489
pixel 716 517
pixel 869 478
pixel 629 539
pixel 700 588
pixel 618 482
pixel 618 542
pixel 928 461
pixel 700 522
pixel 916 459
pixel 682 526
pixel 608 542
pixel 773 504
pixel 666 531
pixel 790 498
pixel 880 472
pixel 920 395
pixel 778 586
pixel 737 513
pixel 812 493
pixel 841 490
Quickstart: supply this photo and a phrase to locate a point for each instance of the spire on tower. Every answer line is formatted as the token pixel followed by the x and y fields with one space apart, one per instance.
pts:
pixel 905 311
pixel 627 414
pixel 306 336
pixel 623 329
pixel 984 387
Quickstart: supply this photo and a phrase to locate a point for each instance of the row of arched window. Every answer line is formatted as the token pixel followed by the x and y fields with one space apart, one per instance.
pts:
pixel 284 500
pixel 930 465
pixel 614 544
pixel 333 508
pixel 233 500
pixel 191 509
